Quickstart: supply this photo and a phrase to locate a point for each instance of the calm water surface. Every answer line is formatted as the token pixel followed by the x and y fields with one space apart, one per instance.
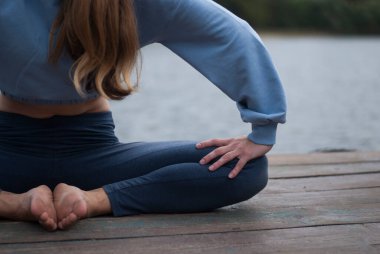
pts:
pixel 332 86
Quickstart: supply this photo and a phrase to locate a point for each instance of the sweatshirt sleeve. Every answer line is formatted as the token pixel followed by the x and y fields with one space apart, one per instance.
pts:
pixel 228 52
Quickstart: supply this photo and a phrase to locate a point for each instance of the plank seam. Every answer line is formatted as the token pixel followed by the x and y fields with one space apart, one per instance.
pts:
pixel 303 191
pixel 325 175
pixel 321 163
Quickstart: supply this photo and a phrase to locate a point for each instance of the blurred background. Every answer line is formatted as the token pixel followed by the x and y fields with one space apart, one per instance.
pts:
pixel 327 53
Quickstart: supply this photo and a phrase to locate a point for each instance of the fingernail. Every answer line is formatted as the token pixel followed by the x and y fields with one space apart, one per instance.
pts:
pixel 198 145
pixel 211 168
pixel 231 175
pixel 202 161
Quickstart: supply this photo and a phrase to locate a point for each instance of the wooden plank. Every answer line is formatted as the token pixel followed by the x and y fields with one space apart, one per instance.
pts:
pixel 323 158
pixel 322 198
pixel 323 183
pixel 223 220
pixel 296 171
pixel 373 233
pixel 326 239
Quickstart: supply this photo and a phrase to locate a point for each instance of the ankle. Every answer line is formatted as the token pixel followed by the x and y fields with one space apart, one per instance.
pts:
pixel 13 206
pixel 98 202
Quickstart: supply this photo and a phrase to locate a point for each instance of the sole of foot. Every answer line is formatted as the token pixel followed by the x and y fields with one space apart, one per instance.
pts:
pixel 70 204
pixel 38 205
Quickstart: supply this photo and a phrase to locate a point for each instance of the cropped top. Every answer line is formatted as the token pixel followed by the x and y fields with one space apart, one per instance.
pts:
pixel 221 46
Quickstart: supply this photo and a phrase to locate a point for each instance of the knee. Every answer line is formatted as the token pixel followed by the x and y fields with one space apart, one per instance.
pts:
pixel 252 179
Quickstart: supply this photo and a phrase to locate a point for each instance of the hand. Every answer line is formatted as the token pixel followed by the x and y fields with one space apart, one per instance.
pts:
pixel 231 148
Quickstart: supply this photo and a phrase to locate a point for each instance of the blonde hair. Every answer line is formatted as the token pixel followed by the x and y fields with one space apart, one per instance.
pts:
pixel 102 38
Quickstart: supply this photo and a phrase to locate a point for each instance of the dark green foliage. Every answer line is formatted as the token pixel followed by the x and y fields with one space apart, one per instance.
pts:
pixel 341 16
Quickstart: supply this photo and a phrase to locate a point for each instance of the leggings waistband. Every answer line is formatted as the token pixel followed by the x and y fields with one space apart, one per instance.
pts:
pixel 58 120
pixel 58 135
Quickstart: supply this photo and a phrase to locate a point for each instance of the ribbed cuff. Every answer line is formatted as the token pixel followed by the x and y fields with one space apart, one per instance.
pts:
pixel 263 134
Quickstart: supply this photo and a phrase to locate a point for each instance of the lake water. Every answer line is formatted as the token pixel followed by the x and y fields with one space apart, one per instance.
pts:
pixel 332 86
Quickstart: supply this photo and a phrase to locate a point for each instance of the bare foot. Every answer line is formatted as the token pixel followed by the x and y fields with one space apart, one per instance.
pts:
pixel 73 204
pixel 34 205
pixel 70 204
pixel 42 207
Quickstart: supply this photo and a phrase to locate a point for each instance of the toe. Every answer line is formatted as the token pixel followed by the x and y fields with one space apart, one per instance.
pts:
pixel 43 217
pixel 60 226
pixel 68 221
pixel 49 224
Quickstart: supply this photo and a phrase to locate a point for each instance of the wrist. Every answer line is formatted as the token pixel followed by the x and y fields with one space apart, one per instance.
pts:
pixel 263 134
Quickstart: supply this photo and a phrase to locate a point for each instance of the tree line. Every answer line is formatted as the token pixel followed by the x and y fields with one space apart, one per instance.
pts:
pixel 337 16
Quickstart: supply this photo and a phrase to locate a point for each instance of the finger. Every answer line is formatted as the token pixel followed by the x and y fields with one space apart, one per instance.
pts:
pixel 213 142
pixel 223 160
pixel 238 167
pixel 212 155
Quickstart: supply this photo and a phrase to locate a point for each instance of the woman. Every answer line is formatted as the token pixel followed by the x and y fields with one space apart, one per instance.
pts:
pixel 60 63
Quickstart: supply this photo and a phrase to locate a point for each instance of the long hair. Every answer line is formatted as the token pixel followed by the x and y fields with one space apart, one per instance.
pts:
pixel 102 38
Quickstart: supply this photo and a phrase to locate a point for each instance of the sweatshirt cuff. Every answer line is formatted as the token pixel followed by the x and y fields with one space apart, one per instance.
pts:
pixel 263 134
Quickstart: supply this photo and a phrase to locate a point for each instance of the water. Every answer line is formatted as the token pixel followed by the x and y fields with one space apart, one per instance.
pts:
pixel 332 86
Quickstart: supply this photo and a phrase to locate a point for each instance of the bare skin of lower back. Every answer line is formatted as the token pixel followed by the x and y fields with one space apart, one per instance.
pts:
pixel 99 104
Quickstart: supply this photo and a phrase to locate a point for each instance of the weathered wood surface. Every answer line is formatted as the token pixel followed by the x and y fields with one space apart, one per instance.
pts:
pixel 317 203
pixel 324 158
pixel 325 239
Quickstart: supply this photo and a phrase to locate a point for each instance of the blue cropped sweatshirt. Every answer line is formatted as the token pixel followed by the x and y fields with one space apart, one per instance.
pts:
pixel 221 46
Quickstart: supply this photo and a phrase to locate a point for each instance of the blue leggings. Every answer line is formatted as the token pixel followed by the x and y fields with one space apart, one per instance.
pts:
pixel 138 177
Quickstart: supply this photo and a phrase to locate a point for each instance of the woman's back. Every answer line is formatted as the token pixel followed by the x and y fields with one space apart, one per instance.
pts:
pixel 224 48
pixel 99 104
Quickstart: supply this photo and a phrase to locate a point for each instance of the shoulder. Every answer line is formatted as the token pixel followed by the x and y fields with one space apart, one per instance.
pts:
pixel 152 17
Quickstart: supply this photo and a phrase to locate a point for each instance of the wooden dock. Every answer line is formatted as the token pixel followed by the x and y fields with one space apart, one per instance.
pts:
pixel 316 203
